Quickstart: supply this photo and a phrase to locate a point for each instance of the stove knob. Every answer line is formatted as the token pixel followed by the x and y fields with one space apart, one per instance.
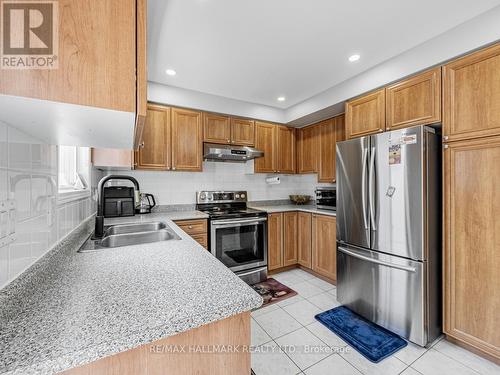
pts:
pixel 237 196
pixel 203 196
pixel 242 196
pixel 210 197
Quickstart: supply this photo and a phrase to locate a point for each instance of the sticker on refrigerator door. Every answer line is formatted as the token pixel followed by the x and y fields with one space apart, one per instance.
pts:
pixel 390 191
pixel 408 139
pixel 394 154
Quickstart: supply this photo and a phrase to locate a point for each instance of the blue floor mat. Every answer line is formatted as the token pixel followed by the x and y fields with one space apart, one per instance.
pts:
pixel 371 340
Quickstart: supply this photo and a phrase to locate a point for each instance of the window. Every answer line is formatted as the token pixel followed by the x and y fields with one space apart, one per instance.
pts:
pixel 74 169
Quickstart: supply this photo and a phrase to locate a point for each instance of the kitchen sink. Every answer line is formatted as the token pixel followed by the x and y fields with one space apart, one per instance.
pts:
pixel 130 234
pixel 134 228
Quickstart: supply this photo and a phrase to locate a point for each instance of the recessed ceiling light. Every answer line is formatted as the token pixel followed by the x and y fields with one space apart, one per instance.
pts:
pixel 354 58
pixel 281 99
pixel 171 72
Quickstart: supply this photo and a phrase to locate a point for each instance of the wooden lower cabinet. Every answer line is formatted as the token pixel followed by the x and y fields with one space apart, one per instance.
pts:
pixel 154 359
pixel 305 239
pixel 304 236
pixel 274 241
pixel 196 229
pixel 290 226
pixel 472 243
pixel 324 247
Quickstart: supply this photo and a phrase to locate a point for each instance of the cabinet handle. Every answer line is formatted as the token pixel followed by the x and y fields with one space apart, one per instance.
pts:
pixel 445 137
pixel 445 146
pixel 228 141
pixel 190 226
pixel 381 130
pixel 173 168
pixel 141 145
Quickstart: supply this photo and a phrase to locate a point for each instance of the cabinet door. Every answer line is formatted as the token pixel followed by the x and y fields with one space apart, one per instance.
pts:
pixel 324 246
pixel 112 157
pixel 340 128
pixel 285 156
pixel 154 151
pixel 472 243
pixel 275 241
pixel 414 101
pixel 471 105
pixel 265 140
pixel 242 132
pixel 290 247
pixel 96 58
pixel 304 227
pixel 327 151
pixel 216 128
pixel 307 154
pixel 365 115
pixel 187 141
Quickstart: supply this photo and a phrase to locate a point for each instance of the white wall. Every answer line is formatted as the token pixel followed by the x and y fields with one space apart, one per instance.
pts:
pixel 28 178
pixel 181 187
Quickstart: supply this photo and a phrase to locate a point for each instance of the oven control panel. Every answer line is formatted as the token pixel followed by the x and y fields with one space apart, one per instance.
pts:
pixel 221 196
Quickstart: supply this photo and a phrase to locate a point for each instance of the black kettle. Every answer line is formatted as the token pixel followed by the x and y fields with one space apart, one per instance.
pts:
pixel 145 204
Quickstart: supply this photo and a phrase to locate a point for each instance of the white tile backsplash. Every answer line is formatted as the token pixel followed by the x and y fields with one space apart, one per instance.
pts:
pixel 181 187
pixel 28 176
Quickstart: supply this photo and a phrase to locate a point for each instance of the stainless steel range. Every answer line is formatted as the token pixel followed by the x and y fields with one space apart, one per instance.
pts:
pixel 237 234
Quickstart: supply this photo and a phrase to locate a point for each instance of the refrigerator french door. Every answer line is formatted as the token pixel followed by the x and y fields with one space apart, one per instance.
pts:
pixel 388 230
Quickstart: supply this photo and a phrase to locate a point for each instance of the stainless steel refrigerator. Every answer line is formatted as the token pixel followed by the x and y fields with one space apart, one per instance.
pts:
pixel 389 230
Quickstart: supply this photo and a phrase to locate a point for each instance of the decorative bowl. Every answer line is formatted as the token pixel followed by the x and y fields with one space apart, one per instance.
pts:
pixel 300 199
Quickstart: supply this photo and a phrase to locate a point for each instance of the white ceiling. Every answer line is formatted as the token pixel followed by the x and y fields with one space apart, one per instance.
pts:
pixel 257 50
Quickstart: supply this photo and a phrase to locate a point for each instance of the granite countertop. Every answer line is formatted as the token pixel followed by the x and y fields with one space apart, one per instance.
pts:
pixel 293 207
pixel 72 308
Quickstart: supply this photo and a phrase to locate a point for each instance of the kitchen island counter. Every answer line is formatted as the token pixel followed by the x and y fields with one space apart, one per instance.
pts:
pixel 70 308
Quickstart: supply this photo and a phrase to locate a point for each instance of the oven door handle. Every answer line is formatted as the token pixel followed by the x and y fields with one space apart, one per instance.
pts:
pixel 238 222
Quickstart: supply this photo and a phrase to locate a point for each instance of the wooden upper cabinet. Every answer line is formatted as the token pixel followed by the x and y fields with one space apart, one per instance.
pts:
pixel 216 128
pixel 96 58
pixel 324 246
pixel 154 151
pixel 285 156
pixel 242 132
pixel 326 170
pixel 365 115
pixel 414 101
pixel 304 236
pixel 307 149
pixel 187 140
pixel 265 140
pixel 275 241
pixel 471 92
pixel 290 248
pixel 472 240
pixel 141 70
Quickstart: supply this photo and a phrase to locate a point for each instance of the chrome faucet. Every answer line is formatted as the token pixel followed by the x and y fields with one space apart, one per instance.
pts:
pixel 99 219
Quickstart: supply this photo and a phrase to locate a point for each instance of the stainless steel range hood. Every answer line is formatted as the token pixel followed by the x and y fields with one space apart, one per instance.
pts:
pixel 215 152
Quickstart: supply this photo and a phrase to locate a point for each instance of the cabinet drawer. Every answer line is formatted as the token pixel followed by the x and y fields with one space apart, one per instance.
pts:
pixel 193 226
pixel 201 239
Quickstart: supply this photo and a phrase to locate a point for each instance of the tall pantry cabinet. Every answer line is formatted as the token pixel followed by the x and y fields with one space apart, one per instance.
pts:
pixel 471 135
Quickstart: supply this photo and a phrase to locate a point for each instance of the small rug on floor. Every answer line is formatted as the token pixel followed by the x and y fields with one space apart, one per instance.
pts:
pixel 273 291
pixel 371 340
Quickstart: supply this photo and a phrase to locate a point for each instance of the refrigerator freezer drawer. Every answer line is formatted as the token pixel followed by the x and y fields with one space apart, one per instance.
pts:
pixel 384 289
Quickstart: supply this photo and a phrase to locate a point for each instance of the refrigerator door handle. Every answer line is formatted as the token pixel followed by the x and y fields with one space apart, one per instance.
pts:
pixel 371 182
pixel 363 186
pixel 376 261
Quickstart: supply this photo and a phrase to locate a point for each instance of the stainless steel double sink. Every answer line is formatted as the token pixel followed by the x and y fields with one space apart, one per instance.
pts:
pixel 130 234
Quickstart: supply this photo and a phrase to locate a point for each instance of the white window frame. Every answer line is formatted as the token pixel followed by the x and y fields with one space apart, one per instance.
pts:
pixel 69 194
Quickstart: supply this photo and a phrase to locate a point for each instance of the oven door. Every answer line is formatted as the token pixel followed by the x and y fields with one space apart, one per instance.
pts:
pixel 240 244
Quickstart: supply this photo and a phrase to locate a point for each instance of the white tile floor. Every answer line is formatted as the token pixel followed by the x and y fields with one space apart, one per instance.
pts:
pixel 289 340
